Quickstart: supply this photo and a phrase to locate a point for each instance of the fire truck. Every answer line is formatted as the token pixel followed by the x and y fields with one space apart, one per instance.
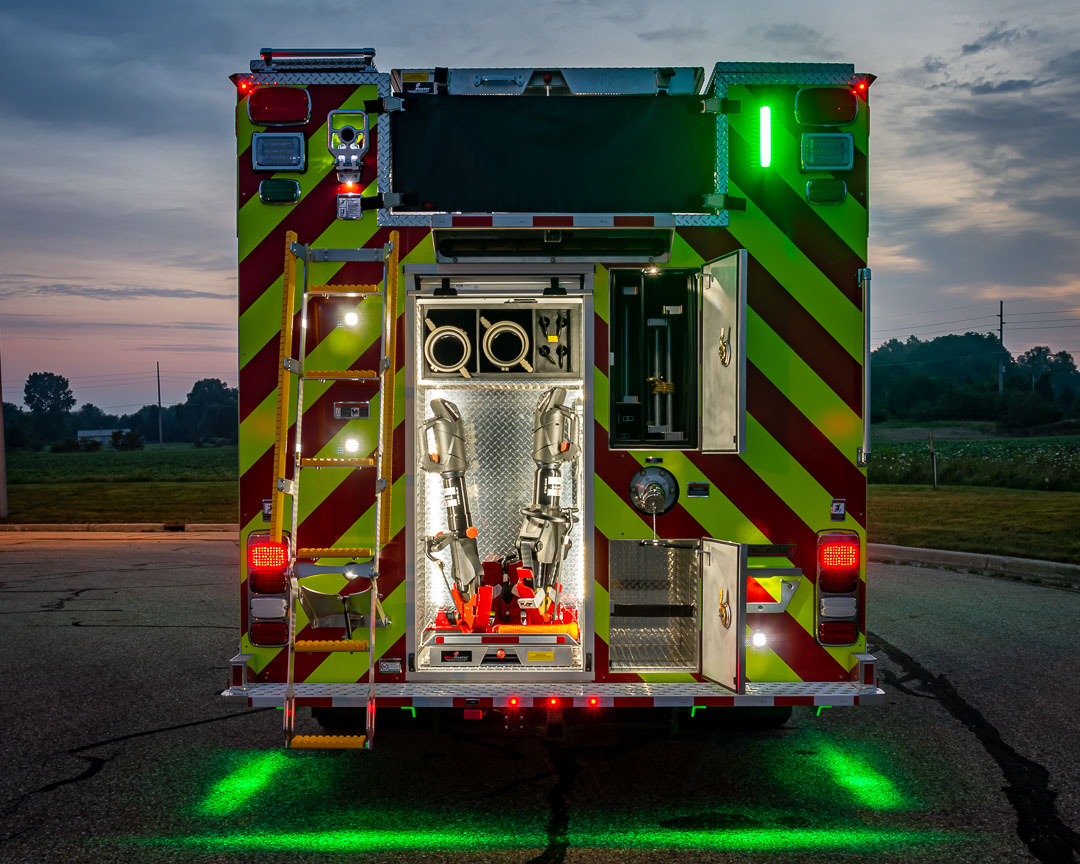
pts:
pixel 553 390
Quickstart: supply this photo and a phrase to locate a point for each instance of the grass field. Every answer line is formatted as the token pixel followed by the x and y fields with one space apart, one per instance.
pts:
pixel 1027 524
pixel 1015 463
pixel 188 501
pixel 177 464
pixel 189 485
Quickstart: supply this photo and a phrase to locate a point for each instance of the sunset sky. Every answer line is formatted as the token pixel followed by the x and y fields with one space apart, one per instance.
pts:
pixel 117 230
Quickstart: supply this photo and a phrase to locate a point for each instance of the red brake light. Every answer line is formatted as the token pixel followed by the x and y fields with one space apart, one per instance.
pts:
pixel 268 556
pixel 279 106
pixel 268 581
pixel 839 556
pixel 838 632
pixel 269 632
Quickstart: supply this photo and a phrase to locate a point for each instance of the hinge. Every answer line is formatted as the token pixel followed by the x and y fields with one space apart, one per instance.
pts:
pixel 393 103
pixel 716 105
pixel 723 201
pixel 299 250
pixel 292 365
pixel 588 661
pixel 284 484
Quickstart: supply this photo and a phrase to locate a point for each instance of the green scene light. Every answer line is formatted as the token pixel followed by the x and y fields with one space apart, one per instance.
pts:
pixel 766 136
pixel 867 786
pixel 737 840
pixel 235 790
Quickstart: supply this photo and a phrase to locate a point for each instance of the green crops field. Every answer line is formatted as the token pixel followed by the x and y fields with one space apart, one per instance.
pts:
pixel 1051 464
pixel 173 464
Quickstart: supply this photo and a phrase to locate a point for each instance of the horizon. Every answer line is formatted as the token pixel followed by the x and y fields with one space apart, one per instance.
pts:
pixel 973 173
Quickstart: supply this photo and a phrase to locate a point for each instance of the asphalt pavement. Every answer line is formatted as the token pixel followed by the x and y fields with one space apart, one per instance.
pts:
pixel 116 746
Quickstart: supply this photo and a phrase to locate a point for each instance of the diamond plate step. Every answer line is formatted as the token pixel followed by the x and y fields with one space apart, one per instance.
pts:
pixel 333 552
pixel 344 290
pixel 358 462
pixel 341 375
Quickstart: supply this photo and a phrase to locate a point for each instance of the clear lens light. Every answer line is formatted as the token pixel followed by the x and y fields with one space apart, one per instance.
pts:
pixel 351 445
pixel 351 319
pixel 758 640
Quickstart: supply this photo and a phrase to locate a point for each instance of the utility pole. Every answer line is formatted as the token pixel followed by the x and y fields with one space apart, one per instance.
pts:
pixel 160 438
pixel 1001 344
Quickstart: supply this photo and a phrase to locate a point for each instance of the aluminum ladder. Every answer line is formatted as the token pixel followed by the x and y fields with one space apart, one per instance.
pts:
pixel 321 608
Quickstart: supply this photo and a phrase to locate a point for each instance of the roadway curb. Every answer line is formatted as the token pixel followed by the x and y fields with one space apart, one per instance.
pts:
pixel 127 527
pixel 1022 569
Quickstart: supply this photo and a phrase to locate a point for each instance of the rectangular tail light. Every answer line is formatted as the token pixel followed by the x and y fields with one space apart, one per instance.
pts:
pixel 277 151
pixel 838 632
pixel 839 582
pixel 837 552
pixel 269 581
pixel 279 106
pixel 828 151
pixel 269 633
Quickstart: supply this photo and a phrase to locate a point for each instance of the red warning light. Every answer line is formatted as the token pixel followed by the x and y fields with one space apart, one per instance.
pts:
pixel 553 701
pixel 513 700
pixel 593 701
pixel 268 556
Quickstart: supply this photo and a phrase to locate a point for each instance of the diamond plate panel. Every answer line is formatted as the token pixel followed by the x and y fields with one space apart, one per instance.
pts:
pixel 358 78
pixel 780 73
pixel 498 423
pixel 652 575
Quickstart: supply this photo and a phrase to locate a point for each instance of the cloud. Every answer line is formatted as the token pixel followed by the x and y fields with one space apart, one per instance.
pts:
pixel 997 37
pixel 17 287
pixel 674 34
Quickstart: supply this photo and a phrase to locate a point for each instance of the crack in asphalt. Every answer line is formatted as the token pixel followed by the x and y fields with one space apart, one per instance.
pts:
pixel 97 763
pixel 1039 825
pixel 565 768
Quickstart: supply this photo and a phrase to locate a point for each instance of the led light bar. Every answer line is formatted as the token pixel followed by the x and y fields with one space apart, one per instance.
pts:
pixel 766 136
pixel 828 151
pixel 277 151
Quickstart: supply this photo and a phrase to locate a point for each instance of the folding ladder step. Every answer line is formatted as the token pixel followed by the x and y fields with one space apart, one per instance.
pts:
pixel 359 462
pixel 333 552
pixel 341 375
pixel 344 290
pixel 329 742
pixel 330 645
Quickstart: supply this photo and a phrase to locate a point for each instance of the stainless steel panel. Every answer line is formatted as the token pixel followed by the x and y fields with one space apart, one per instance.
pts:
pixel 723 613
pixel 647 575
pixel 723 354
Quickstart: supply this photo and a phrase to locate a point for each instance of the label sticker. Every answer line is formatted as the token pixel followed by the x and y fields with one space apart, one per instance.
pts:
pixel 457 656
pixel 541 656
pixel 390 666
pixel 553 338
pixel 450 496
pixel 838 509
pixel 554 487
pixel 267 509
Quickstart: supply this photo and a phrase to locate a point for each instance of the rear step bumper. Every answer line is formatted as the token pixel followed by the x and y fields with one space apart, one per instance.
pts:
pixel 568 695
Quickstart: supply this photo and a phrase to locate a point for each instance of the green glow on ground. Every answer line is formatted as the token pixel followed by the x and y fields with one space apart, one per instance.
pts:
pixel 740 840
pixel 867 786
pixel 235 790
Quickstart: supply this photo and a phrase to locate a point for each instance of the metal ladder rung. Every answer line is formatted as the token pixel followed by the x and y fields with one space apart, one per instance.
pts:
pixel 329 645
pixel 329 742
pixel 333 552
pixel 344 290
pixel 341 375
pixel 360 462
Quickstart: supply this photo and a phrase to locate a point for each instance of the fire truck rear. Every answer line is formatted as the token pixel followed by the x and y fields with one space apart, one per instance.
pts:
pixel 553 389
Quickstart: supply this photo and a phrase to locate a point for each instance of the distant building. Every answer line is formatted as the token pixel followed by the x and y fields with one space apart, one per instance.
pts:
pixel 102 435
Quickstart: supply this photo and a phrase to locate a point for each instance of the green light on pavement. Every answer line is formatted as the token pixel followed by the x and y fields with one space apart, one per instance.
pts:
pixel 738 840
pixel 867 786
pixel 766 136
pixel 233 792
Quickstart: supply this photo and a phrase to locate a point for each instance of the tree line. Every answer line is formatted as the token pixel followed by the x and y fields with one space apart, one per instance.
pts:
pixel 956 377
pixel 208 416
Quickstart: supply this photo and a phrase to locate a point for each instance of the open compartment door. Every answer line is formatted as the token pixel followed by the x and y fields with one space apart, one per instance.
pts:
pixel 723 613
pixel 723 354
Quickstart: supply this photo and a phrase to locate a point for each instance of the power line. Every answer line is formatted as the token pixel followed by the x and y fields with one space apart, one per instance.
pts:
pixel 935 324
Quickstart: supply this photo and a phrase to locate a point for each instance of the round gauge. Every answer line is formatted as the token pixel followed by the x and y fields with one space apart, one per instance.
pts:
pixel 654 490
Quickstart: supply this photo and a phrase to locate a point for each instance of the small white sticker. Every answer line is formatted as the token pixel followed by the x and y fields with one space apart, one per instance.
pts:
pixel 450 496
pixel 554 487
pixel 267 509
pixel 838 509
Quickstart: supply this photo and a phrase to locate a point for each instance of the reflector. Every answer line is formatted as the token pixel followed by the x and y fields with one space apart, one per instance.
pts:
pixel 279 106
pixel 269 633
pixel 268 556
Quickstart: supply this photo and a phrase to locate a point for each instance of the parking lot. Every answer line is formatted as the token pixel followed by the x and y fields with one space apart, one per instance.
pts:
pixel 117 747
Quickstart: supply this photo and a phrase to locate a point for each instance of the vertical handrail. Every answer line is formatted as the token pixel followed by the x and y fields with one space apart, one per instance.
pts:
pixel 864 451
pixel 288 299
pixel 386 390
